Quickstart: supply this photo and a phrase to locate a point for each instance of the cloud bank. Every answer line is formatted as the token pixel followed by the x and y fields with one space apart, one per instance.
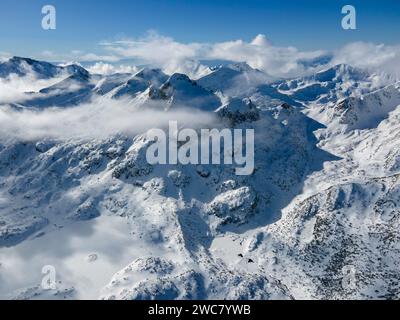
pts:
pixel 282 62
pixel 376 57
pixel 107 69
pixel 260 53
pixel 97 120
pixel 172 55
pixel 15 88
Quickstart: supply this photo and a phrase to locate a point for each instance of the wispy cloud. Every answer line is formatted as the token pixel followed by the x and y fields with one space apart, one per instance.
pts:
pixel 78 55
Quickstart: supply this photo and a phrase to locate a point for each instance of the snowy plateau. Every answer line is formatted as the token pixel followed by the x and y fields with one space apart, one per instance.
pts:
pixel 318 218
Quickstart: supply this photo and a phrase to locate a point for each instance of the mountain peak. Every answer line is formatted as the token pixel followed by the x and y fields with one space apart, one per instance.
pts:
pixel 179 80
pixel 234 77
pixel 240 66
pixel 342 70
pixel 21 59
pixel 148 72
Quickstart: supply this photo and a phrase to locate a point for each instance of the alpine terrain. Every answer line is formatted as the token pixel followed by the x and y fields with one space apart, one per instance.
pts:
pixel 319 217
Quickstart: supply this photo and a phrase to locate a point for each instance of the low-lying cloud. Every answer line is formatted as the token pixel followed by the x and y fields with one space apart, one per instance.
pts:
pixel 97 120
pixel 15 88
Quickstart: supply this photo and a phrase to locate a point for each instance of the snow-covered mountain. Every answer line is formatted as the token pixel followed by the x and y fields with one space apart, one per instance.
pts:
pixel 233 78
pixel 39 69
pixel 180 91
pixel 140 82
pixel 366 111
pixel 318 218
pixel 333 84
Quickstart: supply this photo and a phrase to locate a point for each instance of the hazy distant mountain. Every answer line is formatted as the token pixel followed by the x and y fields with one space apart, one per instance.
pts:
pixel 40 69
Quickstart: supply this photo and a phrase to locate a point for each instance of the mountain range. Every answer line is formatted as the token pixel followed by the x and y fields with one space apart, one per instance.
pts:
pixel 318 218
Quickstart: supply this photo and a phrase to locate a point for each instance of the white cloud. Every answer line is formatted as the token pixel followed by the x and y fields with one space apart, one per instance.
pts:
pixel 259 53
pixel 192 68
pixel 77 55
pixel 261 40
pixel 96 57
pixel 15 88
pixel 154 49
pixel 173 55
pixel 97 120
pixel 106 68
pixel 4 56
pixel 378 57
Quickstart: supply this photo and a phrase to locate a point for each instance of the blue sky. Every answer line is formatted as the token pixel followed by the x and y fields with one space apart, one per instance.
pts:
pixel 81 25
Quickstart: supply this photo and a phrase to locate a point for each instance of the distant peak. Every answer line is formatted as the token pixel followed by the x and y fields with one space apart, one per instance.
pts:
pixel 340 71
pixel 16 59
pixel 148 71
pixel 81 75
pixel 179 77
pixel 342 67
pixel 240 66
